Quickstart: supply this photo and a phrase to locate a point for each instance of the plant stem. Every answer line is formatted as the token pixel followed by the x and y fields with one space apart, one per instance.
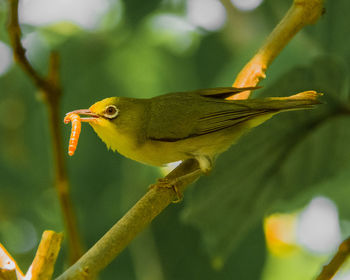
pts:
pixel 43 264
pixel 51 90
pixel 300 14
pixel 336 262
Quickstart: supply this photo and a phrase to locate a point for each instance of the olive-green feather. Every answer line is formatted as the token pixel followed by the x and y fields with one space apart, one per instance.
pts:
pixel 208 115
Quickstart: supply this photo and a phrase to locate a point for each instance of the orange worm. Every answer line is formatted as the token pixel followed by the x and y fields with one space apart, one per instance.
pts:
pixel 75 132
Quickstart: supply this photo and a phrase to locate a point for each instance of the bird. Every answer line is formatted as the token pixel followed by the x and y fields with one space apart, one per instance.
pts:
pixel 199 124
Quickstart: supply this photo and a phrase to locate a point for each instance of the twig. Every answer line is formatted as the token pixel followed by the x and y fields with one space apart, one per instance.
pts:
pixel 157 199
pixel 51 91
pixel 14 32
pixel 62 185
pixel 8 274
pixel 9 269
pixel 302 13
pixel 339 258
pixel 43 264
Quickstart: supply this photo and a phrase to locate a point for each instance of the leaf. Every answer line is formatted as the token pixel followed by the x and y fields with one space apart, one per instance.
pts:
pixel 184 258
pixel 330 31
pixel 278 160
pixel 336 188
pixel 135 11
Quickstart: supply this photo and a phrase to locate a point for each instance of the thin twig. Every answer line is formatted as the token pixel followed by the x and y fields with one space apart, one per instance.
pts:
pixel 51 90
pixel 14 32
pixel 8 274
pixel 301 13
pixel 62 185
pixel 9 270
pixel 157 199
pixel 336 262
pixel 43 264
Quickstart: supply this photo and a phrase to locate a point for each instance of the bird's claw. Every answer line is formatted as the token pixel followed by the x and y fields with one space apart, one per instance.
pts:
pixel 169 184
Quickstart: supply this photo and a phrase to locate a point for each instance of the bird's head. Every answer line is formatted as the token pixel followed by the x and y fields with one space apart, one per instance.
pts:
pixel 113 119
pixel 102 113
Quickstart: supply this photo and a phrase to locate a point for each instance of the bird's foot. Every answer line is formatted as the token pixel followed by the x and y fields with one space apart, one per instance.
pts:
pixel 169 184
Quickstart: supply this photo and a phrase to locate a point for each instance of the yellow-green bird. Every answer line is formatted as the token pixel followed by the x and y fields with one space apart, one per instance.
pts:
pixel 177 126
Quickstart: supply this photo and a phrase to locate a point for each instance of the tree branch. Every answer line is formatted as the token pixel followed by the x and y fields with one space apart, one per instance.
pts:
pixel 44 261
pixel 14 32
pixel 8 274
pixel 9 269
pixel 51 90
pixel 336 262
pixel 301 13
pixel 127 228
pixel 43 264
pixel 157 199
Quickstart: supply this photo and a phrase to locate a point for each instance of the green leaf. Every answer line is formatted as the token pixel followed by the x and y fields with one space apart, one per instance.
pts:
pixel 136 11
pixel 330 31
pixel 336 188
pixel 277 161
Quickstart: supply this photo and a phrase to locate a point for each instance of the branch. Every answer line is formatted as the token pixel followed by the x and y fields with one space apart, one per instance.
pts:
pixel 8 274
pixel 62 184
pixel 302 13
pixel 14 32
pixel 9 269
pixel 157 199
pixel 51 90
pixel 339 258
pixel 44 261
pixel 127 228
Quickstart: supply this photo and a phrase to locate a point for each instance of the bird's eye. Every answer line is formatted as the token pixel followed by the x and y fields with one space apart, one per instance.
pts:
pixel 111 112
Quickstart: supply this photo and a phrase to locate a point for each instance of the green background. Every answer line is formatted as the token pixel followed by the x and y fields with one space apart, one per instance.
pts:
pixel 279 166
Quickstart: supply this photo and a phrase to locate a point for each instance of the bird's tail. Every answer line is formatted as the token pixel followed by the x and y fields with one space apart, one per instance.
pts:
pixel 265 108
pixel 299 101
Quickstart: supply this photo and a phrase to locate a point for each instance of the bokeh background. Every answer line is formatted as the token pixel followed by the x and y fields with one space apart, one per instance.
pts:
pixel 277 204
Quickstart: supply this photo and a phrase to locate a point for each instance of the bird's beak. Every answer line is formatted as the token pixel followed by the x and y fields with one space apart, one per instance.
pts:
pixel 91 115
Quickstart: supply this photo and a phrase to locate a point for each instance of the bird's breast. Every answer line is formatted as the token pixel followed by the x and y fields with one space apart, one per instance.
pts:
pixel 131 146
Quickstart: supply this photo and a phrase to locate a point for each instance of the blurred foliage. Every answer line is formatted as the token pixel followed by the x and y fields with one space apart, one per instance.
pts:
pixel 216 233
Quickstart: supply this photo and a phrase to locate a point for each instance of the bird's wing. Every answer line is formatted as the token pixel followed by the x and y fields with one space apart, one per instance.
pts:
pixel 220 120
pixel 178 116
pixel 222 92
pixel 174 117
